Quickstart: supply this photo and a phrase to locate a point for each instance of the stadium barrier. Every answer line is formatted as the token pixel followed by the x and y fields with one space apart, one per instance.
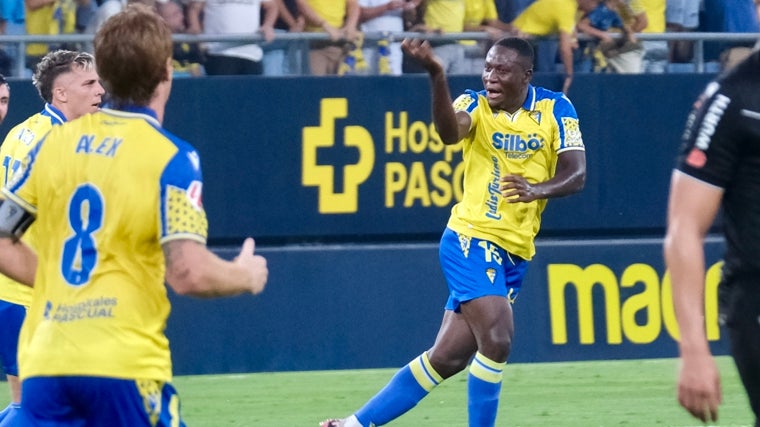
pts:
pixel 704 43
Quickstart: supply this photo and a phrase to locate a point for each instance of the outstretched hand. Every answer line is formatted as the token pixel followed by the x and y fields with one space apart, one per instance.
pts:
pixel 255 264
pixel 422 52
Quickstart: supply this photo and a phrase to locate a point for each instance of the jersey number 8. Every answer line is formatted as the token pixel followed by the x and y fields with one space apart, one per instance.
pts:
pixel 80 252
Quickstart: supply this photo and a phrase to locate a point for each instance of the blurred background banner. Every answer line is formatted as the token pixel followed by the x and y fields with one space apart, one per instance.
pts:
pixel 354 306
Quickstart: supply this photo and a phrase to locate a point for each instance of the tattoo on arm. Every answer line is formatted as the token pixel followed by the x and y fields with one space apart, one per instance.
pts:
pixel 173 251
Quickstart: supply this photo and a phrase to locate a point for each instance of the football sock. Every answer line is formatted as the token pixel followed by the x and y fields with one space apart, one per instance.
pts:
pixel 483 388
pixel 5 412
pixel 407 387
pixel 10 414
pixel 351 422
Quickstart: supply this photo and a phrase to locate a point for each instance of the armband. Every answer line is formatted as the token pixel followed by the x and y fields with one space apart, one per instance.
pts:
pixel 14 220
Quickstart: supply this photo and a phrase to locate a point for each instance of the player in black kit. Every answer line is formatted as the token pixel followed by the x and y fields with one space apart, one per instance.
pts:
pixel 718 167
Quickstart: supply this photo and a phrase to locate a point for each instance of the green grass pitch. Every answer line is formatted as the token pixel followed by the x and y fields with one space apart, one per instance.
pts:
pixel 634 393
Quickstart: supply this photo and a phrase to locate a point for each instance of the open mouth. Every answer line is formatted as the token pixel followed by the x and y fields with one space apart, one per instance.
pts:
pixel 493 92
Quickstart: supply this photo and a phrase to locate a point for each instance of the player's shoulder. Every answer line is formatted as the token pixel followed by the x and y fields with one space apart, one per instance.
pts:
pixel 185 157
pixel 32 127
pixel 541 93
pixel 181 144
pixel 541 98
pixel 744 76
pixel 469 100
pixel 36 120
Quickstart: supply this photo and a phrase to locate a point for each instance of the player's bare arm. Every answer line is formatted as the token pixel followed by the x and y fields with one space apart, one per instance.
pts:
pixel 569 178
pixel 17 261
pixel 451 127
pixel 192 269
pixel 693 206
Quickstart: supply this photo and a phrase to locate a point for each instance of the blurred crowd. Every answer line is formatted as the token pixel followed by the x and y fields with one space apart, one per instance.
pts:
pixel 362 36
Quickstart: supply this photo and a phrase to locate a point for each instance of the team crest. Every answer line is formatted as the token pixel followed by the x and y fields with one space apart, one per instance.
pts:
pixel 491 273
pixel 150 391
pixel 536 116
pixel 464 244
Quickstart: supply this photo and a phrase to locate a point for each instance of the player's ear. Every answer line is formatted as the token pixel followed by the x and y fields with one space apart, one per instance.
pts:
pixel 529 75
pixel 169 69
pixel 59 93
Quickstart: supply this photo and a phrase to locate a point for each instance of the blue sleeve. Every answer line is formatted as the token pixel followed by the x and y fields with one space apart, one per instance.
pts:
pixel 568 126
pixel 182 215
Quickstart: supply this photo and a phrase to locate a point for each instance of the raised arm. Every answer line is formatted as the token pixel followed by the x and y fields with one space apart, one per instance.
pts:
pixel 451 126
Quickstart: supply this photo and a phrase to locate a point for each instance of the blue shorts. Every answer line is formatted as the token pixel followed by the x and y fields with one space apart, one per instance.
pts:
pixel 98 401
pixel 476 268
pixel 11 318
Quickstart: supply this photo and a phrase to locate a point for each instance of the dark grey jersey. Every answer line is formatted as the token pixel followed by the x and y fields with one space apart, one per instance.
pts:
pixel 721 146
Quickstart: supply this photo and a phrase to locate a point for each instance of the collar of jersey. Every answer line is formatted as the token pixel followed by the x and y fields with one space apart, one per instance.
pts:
pixel 530 100
pixel 132 110
pixel 56 116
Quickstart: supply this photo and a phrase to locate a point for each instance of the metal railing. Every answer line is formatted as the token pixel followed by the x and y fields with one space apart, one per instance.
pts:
pixel 698 38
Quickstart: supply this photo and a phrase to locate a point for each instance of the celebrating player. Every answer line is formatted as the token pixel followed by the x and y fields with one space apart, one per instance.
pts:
pixel 521 146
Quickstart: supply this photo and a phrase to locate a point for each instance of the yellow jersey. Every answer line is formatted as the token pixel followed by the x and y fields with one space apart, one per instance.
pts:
pixel 41 21
pixel 15 148
pixel 107 190
pixel 445 15
pixel 525 143
pixel 547 17
pixel 333 12
pixel 477 11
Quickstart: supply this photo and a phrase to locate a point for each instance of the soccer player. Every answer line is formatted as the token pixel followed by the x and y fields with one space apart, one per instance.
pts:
pixel 118 201
pixel 718 167
pixel 521 146
pixel 69 85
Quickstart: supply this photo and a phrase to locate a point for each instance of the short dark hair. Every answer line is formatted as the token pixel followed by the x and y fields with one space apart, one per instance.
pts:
pixel 523 48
